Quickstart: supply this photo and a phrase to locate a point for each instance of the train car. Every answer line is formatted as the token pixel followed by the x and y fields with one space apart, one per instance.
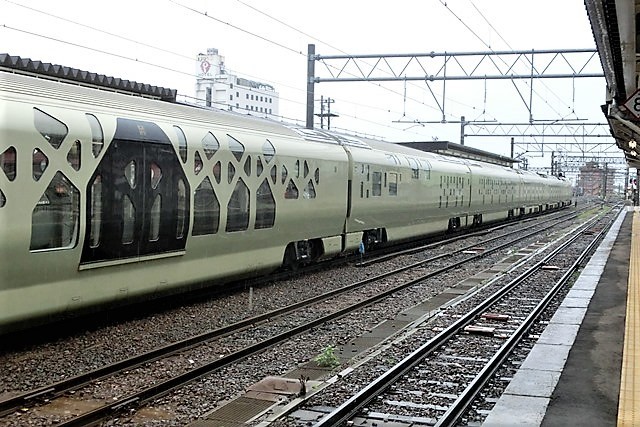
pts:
pixel 109 198
pixel 400 193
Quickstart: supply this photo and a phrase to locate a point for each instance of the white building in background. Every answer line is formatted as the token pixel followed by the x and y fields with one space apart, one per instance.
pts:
pixel 216 88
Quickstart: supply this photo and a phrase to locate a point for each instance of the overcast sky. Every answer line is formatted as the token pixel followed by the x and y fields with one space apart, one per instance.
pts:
pixel 157 42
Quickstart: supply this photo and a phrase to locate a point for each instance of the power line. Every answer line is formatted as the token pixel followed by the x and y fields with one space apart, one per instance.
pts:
pixel 489 47
pixel 206 15
pixel 104 52
pixel 97 29
pixel 346 53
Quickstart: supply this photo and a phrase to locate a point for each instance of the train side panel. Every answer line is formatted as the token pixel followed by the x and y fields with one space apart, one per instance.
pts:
pixel 149 205
pixel 405 194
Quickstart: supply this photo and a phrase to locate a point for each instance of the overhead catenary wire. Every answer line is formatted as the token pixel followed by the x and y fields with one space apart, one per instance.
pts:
pixel 252 34
pixel 403 95
pixel 509 46
pixel 444 3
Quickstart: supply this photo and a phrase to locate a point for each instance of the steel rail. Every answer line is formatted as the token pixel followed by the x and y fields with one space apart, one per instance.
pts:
pixel 181 380
pixel 457 409
pixel 352 406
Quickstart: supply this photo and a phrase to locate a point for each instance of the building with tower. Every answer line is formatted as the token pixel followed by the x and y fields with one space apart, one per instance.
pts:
pixel 217 88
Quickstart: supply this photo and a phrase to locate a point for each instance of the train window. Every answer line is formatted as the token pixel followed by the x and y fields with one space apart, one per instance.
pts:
pixel 206 209
pixel 385 180
pixel 95 211
pixel 247 166
pixel 8 163
pixel 217 171
pixel 268 151
pixel 3 200
pixel 309 191
pixel 181 213
pixel 265 206
pixel 415 173
pixel 40 163
pixel 376 185
pixel 291 192
pixel 231 173
pixel 296 169
pixel 238 208
pixel 259 167
pixel 274 174
pixel 97 136
pixel 285 173
pixel 154 220
pixel 54 220
pixel 73 156
pixel 182 144
pixel 197 163
pixel 306 169
pixel 237 149
pixel 128 220
pixel 317 175
pixel 156 175
pixel 210 144
pixel 393 184
pixel 51 129
pixel 130 173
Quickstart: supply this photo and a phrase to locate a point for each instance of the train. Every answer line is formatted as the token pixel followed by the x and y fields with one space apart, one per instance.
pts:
pixel 107 198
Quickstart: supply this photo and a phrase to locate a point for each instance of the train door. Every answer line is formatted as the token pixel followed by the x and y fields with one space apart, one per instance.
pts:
pixel 138 197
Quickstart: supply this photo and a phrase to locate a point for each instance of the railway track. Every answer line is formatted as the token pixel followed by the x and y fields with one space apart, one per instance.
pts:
pixel 248 326
pixel 436 383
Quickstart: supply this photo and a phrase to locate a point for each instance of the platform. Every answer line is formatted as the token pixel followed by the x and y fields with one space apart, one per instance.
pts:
pixel 573 374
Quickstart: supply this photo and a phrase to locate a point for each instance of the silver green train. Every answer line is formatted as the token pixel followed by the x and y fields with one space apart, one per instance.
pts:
pixel 109 198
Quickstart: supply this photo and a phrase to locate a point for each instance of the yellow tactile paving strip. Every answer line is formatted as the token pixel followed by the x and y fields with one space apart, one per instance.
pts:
pixel 629 403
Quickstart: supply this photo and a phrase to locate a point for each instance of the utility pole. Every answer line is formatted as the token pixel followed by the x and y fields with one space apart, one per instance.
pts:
pixel 311 71
pixel 328 114
pixel 512 148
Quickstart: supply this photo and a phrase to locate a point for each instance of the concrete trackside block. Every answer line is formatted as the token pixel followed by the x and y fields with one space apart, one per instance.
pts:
pixel 512 410
pixel 546 357
pixel 559 334
pixel 569 315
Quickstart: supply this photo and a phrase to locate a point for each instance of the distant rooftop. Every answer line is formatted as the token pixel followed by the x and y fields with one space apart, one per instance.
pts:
pixel 61 73
pixel 252 84
pixel 459 150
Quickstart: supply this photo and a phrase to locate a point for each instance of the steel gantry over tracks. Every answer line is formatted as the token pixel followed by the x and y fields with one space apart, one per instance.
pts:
pixel 448 66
